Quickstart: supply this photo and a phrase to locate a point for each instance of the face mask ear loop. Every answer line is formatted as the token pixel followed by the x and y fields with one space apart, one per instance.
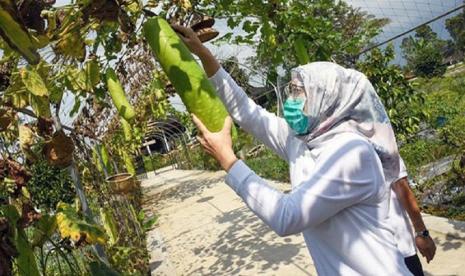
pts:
pixel 279 95
pixel 282 95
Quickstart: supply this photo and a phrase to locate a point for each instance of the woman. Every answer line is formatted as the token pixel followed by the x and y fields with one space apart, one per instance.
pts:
pixel 342 156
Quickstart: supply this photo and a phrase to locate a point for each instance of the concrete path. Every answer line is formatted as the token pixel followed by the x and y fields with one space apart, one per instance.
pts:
pixel 205 229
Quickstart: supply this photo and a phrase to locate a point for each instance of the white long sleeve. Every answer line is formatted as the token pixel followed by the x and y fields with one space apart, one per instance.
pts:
pixel 273 131
pixel 338 181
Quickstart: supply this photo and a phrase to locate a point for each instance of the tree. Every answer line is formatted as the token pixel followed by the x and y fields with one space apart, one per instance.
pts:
pixel 456 27
pixel 424 53
pixel 291 32
pixel 401 100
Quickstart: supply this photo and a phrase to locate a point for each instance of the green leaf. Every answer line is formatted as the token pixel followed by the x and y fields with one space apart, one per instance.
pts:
pixel 33 82
pixel 41 106
pixel 56 94
pixel 101 269
pixel 76 106
pixel 150 223
pixel 43 230
pixel 26 262
pixel 92 74
pixel 141 215
pixel 134 7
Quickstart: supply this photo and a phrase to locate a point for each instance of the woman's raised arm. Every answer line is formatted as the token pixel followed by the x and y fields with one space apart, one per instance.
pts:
pixel 273 131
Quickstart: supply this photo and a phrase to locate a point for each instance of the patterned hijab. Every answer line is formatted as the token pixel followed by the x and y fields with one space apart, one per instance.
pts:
pixel 343 100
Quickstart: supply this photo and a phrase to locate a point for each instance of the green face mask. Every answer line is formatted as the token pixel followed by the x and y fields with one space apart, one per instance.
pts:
pixel 294 115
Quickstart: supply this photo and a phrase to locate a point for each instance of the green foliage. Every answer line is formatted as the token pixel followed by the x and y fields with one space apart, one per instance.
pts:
pixel 402 102
pixel 444 97
pixel 146 223
pixel 454 132
pixel 50 185
pixel 445 102
pixel 424 53
pixel 155 162
pixel 43 230
pixel 109 224
pixel 245 141
pixel 446 211
pixel 101 269
pixel 128 260
pixel 197 158
pixel 456 27
pixel 25 262
pixel 328 29
pixel 422 151
pixel 269 165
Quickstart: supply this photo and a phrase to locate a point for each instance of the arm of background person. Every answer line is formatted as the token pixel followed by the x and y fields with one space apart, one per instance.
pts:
pixel 408 201
pixel 273 131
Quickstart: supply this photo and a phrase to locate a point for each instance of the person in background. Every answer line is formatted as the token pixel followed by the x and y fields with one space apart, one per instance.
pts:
pixel 404 206
pixel 342 157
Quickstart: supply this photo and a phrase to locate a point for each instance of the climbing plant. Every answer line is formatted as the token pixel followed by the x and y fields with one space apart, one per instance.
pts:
pixel 402 102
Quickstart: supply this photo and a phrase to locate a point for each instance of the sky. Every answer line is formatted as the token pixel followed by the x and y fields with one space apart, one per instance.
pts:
pixel 407 14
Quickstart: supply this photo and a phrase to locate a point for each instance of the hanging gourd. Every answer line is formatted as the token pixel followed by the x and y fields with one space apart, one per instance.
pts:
pixel 105 158
pixel 127 130
pixel 128 163
pixel 187 77
pixel 109 224
pixel 118 96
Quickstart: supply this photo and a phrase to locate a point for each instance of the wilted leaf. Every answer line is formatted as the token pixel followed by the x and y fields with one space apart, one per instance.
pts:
pixel 71 226
pixel 26 136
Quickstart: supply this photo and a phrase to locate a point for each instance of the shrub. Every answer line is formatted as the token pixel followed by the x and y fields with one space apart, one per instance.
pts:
pixel 50 185
pixel 422 152
pixel 269 165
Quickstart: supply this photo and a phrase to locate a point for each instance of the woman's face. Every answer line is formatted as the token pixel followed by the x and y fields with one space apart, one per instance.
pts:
pixel 294 90
pixel 295 107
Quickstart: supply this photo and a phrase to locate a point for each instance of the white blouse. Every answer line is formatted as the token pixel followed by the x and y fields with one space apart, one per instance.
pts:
pixel 339 198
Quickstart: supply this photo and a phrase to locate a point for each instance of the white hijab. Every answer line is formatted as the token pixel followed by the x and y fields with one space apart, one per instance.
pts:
pixel 343 100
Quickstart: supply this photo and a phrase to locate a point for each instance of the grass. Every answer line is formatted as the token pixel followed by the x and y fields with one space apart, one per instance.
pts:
pixel 422 152
pixel 269 165
pixel 155 162
pixel 445 103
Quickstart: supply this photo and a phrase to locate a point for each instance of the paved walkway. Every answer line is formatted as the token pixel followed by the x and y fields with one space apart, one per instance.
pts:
pixel 205 229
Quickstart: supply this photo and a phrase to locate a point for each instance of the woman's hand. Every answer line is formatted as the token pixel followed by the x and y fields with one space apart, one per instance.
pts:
pixel 217 144
pixel 190 39
pixel 209 62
